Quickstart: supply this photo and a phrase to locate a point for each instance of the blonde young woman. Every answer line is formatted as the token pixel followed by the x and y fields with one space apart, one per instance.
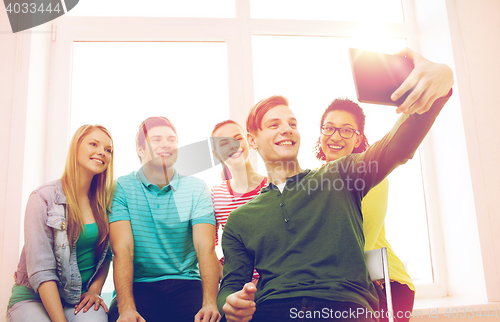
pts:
pixel 65 258
pixel 241 182
pixel 342 133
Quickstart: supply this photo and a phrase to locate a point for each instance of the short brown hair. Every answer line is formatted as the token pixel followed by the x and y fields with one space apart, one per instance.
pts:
pixel 254 119
pixel 148 124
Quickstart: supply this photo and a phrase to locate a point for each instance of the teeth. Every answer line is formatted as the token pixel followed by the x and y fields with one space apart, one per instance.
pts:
pixel 285 143
pixel 237 154
pixel 165 154
pixel 97 160
pixel 335 147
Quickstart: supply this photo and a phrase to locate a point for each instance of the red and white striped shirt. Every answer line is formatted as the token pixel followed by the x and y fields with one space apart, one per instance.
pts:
pixel 226 200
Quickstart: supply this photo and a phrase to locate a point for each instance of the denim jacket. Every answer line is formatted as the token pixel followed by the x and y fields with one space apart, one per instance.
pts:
pixel 46 255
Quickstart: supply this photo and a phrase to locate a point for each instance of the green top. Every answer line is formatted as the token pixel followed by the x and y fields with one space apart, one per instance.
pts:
pixel 308 240
pixel 85 247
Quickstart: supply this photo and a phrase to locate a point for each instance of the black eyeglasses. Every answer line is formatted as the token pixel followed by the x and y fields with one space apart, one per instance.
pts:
pixel 344 132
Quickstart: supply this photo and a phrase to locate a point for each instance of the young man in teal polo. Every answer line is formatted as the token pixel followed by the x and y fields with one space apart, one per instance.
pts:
pixel 304 232
pixel 162 230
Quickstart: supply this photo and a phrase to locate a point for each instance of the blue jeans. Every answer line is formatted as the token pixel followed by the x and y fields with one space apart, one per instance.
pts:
pixel 33 310
pixel 167 300
pixel 310 310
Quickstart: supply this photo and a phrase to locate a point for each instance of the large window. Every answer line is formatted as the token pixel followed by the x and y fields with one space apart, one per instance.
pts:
pixel 120 84
pixel 203 69
pixel 311 72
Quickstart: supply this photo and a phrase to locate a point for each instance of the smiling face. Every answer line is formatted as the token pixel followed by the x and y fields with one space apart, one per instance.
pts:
pixel 278 139
pixel 160 148
pixel 335 146
pixel 231 146
pixel 95 152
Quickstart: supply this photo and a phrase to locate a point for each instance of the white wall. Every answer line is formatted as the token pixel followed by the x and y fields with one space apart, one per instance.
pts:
pixel 476 43
pixel 14 64
pixel 473 278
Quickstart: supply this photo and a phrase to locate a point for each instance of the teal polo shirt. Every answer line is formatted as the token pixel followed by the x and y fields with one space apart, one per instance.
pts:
pixel 162 224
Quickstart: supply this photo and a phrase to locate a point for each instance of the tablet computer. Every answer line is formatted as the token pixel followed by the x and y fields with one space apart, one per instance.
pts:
pixel 377 76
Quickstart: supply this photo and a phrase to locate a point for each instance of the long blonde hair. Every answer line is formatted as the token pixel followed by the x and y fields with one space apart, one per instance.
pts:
pixel 100 191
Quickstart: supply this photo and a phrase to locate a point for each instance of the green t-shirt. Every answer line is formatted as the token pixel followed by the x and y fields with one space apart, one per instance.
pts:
pixel 85 252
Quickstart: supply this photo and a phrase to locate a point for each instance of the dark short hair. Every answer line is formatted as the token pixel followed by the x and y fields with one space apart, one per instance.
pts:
pixel 148 124
pixel 346 105
pixel 254 119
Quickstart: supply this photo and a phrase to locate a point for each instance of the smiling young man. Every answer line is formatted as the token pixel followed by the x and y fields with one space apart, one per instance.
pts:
pixel 162 230
pixel 309 253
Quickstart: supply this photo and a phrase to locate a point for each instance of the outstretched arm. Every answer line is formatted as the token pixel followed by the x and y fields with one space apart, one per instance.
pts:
pixel 433 88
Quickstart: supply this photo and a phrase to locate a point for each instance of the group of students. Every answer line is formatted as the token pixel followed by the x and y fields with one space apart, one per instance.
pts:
pixel 290 250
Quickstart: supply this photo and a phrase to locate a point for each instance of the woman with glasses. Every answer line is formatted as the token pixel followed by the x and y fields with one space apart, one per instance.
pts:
pixel 240 180
pixel 66 255
pixel 342 133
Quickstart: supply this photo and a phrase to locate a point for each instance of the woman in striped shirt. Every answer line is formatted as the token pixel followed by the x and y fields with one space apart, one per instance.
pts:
pixel 240 180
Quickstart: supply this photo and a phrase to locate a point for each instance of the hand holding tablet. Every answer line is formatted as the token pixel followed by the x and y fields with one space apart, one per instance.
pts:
pixel 413 81
pixel 378 75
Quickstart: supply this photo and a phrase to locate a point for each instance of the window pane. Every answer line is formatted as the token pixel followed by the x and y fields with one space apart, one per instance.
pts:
pixel 118 85
pixel 156 8
pixel 340 10
pixel 311 72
